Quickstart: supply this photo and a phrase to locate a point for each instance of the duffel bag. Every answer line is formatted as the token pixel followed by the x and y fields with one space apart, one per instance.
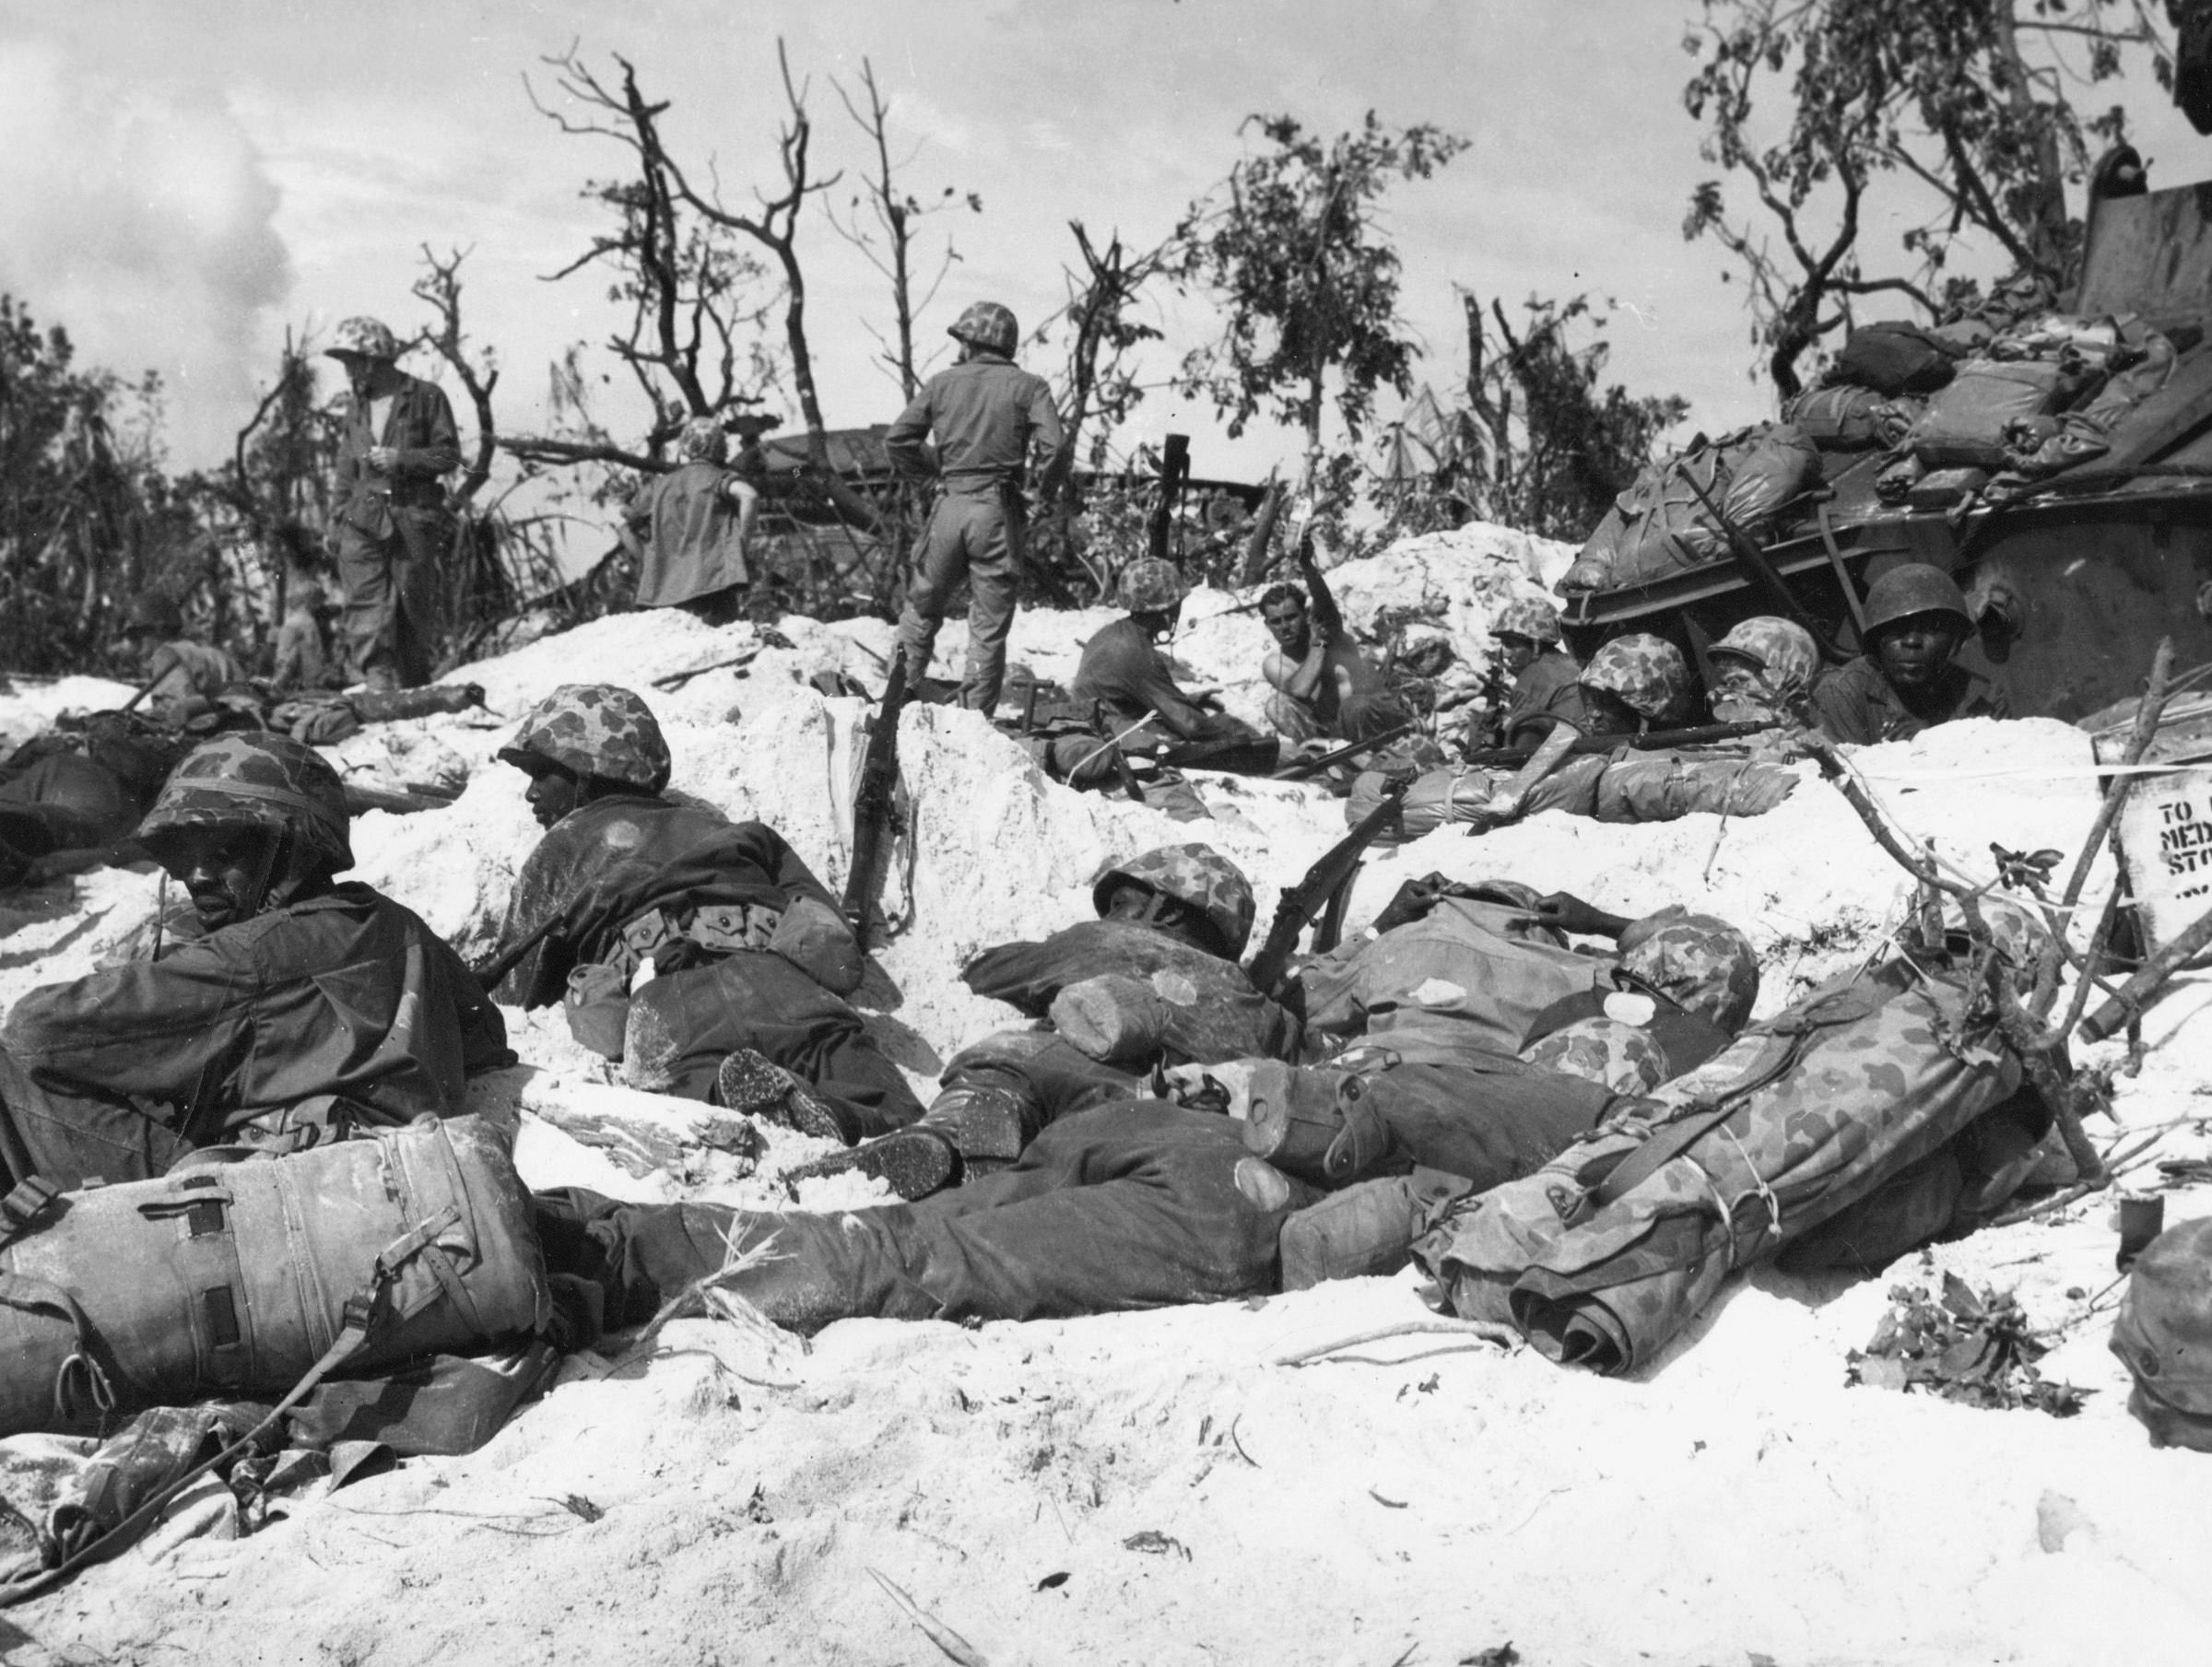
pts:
pixel 234 1279
pixel 1966 425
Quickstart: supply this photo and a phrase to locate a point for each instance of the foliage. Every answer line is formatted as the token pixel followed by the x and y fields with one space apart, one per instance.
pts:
pixel 1962 110
pixel 1309 286
pixel 1539 442
pixel 1975 1349
pixel 87 515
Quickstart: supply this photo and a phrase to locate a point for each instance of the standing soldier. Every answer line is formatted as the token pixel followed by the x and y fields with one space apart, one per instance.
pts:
pixel 985 413
pixel 388 523
pixel 688 529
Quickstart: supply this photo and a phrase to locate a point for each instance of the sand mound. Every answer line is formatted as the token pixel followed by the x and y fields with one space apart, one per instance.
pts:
pixel 1149 1487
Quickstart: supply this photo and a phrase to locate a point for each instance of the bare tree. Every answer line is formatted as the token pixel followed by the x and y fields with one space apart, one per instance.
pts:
pixel 440 286
pixel 1096 384
pixel 889 245
pixel 686 340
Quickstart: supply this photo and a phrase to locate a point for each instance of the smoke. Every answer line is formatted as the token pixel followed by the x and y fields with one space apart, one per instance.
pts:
pixel 141 223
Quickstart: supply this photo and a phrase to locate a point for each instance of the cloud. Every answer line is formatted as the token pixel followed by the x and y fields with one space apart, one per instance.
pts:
pixel 141 219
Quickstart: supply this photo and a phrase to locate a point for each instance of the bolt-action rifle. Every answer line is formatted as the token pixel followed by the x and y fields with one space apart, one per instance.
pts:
pixel 874 809
pixel 1329 876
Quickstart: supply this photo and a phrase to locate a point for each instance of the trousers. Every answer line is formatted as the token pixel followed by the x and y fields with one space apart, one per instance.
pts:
pixel 976 536
pixel 1132 1206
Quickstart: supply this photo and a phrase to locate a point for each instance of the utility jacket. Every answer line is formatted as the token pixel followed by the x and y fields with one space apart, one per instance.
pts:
pixel 688 520
pixel 347 993
pixel 608 862
pixel 985 414
pixel 419 426
pixel 1855 702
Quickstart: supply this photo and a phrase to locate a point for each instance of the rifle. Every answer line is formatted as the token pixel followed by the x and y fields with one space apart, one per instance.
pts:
pixel 1298 769
pixel 1332 873
pixel 1174 471
pixel 675 680
pixel 492 973
pixel 1656 740
pixel 873 808
pixel 1759 571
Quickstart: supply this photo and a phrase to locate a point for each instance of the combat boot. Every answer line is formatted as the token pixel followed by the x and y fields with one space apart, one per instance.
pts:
pixel 913 1162
pixel 748 1082
pixel 1364 1230
pixel 966 1131
pixel 1314 1123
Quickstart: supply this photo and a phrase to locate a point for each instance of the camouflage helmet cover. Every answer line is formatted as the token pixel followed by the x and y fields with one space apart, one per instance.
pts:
pixel 1199 877
pixel 368 337
pixel 1150 586
pixel 1645 671
pixel 250 779
pixel 1783 652
pixel 595 729
pixel 1531 617
pixel 987 325
pixel 2014 929
pixel 1624 1058
pixel 1698 962
pixel 703 440
pixel 2164 1336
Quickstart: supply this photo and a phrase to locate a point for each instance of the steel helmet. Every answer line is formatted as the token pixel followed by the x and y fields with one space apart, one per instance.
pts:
pixel 2014 929
pixel 154 613
pixel 251 779
pixel 703 440
pixel 1624 1058
pixel 367 337
pixel 1197 876
pixel 1647 673
pixel 1537 621
pixel 1782 651
pixel 595 729
pixel 2164 1335
pixel 1149 585
pixel 1698 962
pixel 988 325
pixel 1915 588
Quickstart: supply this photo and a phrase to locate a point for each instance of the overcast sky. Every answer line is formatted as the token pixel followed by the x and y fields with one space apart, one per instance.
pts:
pixel 180 183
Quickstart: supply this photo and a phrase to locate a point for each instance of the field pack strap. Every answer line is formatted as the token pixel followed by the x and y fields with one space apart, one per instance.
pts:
pixel 353 1337
pixel 82 1385
pixel 422 1240
pixel 1678 1137
pixel 20 1210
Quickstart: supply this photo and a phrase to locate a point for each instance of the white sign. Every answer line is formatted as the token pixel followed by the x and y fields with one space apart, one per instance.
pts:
pixel 2166 848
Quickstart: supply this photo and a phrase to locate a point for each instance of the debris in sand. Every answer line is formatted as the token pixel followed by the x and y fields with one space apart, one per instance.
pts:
pixel 1977 1350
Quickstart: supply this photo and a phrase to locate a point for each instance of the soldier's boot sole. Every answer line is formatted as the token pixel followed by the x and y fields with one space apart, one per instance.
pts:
pixel 914 1163
pixel 748 1082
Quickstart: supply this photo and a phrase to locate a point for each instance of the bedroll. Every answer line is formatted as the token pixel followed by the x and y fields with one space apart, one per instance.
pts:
pixel 234 1279
pixel 1603 1256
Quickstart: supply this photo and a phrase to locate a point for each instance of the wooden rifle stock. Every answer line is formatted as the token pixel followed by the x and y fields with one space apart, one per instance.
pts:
pixel 872 804
pixel 1653 741
pixel 1298 769
pixel 1323 881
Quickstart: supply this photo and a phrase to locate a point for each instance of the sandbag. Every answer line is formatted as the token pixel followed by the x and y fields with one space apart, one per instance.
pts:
pixel 231 1279
pixel 1665 787
pixel 1894 357
pixel 1602 1257
pixel 1659 526
pixel 1965 425
pixel 1849 419
pixel 1446 796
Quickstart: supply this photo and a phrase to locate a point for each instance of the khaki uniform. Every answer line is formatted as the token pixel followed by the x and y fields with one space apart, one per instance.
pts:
pixel 985 414
pixel 1856 703
pixel 389 533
